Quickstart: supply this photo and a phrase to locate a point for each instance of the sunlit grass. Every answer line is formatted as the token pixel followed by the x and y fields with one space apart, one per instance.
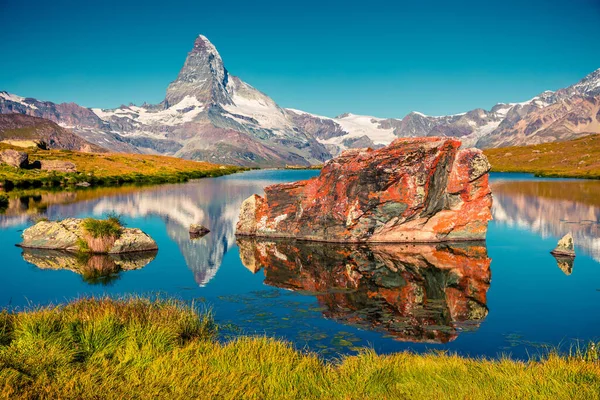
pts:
pixel 136 348
pixel 108 169
pixel 578 158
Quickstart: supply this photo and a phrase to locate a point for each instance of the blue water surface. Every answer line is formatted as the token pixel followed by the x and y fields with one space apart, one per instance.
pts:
pixel 531 303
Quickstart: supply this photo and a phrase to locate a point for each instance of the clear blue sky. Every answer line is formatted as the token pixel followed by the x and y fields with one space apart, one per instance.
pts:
pixel 370 57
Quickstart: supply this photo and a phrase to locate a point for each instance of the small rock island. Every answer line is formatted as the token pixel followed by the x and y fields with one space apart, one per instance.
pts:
pixel 414 190
pixel 87 236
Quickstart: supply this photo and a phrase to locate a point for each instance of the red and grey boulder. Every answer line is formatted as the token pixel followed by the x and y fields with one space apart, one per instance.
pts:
pixel 414 190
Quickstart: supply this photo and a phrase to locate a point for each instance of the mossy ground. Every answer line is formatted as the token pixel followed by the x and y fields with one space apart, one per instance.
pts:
pixel 136 348
pixel 578 158
pixel 108 169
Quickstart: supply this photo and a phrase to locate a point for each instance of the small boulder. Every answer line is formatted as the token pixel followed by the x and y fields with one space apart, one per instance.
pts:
pixel 58 166
pixel 565 247
pixel 14 158
pixel 197 231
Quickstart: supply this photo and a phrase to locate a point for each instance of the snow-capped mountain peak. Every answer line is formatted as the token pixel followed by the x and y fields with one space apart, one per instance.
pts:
pixel 203 76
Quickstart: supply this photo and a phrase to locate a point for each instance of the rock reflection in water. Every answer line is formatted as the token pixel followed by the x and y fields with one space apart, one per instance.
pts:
pixel 420 293
pixel 565 263
pixel 93 268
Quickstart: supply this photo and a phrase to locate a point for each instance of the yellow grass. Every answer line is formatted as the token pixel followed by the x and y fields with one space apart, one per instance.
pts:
pixel 136 348
pixel 578 158
pixel 109 169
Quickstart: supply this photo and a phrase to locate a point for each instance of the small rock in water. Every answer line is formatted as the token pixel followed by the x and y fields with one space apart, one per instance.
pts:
pixel 83 184
pixel 565 247
pixel 197 231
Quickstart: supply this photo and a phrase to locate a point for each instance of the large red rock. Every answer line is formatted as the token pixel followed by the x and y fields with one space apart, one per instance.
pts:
pixel 413 292
pixel 414 190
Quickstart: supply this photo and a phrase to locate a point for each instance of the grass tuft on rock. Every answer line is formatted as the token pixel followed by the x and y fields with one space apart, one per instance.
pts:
pixel 100 234
pixel 99 228
pixel 137 348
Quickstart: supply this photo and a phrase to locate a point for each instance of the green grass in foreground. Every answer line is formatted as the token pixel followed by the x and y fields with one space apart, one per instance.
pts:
pixel 136 348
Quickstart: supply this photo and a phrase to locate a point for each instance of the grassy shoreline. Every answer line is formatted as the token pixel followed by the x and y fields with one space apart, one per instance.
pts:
pixel 137 348
pixel 108 169
pixel 577 158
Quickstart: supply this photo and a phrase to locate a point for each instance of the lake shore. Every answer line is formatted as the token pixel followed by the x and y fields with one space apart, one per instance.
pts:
pixel 107 169
pixel 578 158
pixel 137 348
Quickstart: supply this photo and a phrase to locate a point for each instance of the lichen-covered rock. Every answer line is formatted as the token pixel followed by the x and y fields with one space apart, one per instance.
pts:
pixel 413 292
pixel 69 233
pixel 414 190
pixel 58 166
pixel 14 158
pixel 565 247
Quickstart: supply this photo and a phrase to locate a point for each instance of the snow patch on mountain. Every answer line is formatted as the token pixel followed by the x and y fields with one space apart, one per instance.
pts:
pixel 184 111
pixel 361 125
pixel 16 99
pixel 265 112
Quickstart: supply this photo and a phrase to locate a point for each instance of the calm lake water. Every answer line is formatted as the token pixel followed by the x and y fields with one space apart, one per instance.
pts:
pixel 505 296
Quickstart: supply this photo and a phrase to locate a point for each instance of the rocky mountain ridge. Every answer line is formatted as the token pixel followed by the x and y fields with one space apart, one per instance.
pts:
pixel 209 114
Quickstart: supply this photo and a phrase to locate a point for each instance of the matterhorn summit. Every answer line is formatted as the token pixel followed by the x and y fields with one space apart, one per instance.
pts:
pixel 202 76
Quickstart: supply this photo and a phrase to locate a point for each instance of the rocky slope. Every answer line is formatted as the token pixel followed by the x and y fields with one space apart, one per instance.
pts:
pixel 210 115
pixel 414 190
pixel 550 116
pixel 19 128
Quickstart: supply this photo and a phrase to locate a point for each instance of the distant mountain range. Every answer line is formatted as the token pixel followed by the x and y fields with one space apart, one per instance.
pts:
pixel 210 115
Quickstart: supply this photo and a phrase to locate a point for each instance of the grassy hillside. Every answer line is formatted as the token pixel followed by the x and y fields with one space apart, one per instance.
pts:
pixel 108 169
pixel 578 158
pixel 141 349
pixel 26 130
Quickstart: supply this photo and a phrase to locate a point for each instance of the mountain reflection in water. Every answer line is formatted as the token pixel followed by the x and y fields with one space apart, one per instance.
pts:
pixel 214 203
pixel 552 208
pixel 419 293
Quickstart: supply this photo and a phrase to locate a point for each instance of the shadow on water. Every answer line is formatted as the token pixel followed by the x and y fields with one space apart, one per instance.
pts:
pixel 417 293
pixel 94 269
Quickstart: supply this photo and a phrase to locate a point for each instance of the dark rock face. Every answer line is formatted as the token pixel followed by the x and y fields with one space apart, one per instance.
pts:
pixel 14 158
pixel 420 293
pixel 414 190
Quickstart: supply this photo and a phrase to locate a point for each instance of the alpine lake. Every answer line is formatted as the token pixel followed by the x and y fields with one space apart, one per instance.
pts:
pixel 507 296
